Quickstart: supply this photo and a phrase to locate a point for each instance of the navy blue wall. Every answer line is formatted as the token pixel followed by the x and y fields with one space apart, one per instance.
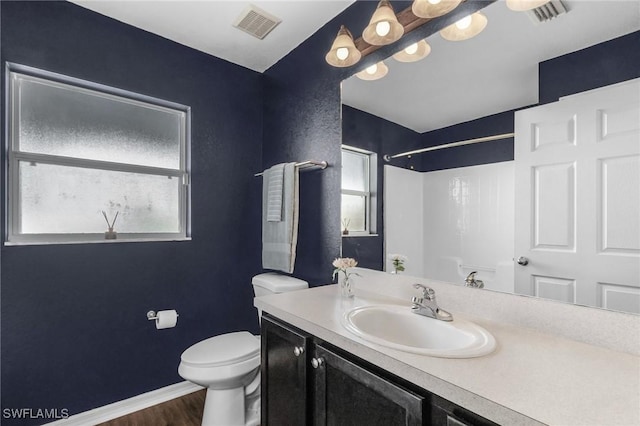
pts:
pixel 606 63
pixel 470 155
pixel 74 331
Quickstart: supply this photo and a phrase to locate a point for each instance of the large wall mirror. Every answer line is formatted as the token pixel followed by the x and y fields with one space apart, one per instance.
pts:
pixel 452 211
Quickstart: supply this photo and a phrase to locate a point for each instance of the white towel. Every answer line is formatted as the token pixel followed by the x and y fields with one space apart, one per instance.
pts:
pixel 274 178
pixel 279 239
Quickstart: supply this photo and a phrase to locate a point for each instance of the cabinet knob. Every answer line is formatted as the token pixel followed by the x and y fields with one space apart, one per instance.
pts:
pixel 298 350
pixel 317 362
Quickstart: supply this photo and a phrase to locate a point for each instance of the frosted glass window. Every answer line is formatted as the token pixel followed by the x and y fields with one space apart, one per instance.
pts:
pixel 354 170
pixel 78 149
pixel 68 200
pixel 63 120
pixel 354 212
pixel 356 206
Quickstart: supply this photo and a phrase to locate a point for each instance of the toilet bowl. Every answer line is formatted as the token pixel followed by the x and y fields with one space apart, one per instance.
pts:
pixel 225 365
pixel 228 365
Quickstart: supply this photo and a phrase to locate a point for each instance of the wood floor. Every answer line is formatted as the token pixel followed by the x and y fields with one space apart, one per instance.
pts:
pixel 184 411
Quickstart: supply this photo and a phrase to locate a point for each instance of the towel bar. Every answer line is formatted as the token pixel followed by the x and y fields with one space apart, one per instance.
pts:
pixel 305 164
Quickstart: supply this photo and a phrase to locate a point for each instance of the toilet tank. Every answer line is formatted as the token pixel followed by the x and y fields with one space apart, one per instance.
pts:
pixel 273 283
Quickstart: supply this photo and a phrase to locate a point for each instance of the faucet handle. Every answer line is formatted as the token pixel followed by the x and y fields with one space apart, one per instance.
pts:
pixel 427 292
pixel 472 282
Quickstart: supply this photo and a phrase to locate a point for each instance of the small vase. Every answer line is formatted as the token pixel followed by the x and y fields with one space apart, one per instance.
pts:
pixel 346 285
pixel 110 234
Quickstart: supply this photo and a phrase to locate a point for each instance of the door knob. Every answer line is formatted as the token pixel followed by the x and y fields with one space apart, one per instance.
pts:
pixel 317 362
pixel 298 350
pixel 522 261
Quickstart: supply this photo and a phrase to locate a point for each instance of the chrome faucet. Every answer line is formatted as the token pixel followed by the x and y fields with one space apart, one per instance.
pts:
pixel 427 306
pixel 472 282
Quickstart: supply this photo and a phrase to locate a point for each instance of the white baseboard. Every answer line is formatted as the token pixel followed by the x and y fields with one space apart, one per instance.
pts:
pixel 128 406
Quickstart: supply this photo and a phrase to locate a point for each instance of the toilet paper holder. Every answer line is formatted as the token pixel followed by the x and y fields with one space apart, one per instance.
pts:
pixel 152 316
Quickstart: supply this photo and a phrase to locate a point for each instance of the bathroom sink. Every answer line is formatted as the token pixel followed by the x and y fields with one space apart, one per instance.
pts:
pixel 397 327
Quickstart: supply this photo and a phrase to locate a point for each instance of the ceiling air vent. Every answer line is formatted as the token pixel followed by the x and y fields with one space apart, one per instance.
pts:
pixel 547 11
pixel 256 22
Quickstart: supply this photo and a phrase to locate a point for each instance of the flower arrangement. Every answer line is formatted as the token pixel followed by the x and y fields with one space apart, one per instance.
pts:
pixel 397 260
pixel 341 264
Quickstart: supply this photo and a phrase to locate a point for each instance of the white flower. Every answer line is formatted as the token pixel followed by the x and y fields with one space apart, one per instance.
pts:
pixel 398 257
pixel 343 263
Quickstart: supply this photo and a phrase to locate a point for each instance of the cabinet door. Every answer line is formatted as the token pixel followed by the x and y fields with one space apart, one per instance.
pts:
pixel 283 374
pixel 346 394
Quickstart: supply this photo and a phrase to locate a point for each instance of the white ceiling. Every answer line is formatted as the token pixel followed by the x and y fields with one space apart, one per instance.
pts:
pixel 459 81
pixel 493 72
pixel 206 25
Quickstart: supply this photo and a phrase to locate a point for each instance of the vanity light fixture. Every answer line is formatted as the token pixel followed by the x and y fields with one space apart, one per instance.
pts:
pixel 343 52
pixel 523 5
pixel 383 27
pixel 466 28
pixel 414 52
pixel 433 8
pixel 373 72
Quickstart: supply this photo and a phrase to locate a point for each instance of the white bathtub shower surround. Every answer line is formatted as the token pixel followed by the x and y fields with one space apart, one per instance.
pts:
pixel 403 225
pixel 542 371
pixel 455 221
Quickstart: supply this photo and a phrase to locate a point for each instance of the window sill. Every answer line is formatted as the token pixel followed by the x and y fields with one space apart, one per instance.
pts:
pixel 360 235
pixel 122 240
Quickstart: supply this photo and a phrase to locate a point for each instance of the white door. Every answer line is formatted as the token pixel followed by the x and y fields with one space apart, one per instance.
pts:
pixel 577 170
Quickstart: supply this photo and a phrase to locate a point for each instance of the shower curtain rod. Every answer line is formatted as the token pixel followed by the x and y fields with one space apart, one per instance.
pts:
pixel 388 158
pixel 304 164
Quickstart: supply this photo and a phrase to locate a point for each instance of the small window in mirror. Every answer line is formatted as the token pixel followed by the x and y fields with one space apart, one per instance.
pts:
pixel 357 203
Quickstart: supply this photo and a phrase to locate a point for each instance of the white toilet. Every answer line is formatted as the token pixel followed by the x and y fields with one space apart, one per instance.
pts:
pixel 228 365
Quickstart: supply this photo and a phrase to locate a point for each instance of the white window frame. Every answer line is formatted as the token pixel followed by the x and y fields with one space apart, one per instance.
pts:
pixel 13 236
pixel 370 199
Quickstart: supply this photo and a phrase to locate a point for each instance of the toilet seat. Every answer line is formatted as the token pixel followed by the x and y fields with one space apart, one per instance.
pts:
pixel 225 349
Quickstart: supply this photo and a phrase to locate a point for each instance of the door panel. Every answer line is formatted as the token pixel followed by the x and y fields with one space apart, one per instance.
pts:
pixel 618 203
pixel 554 206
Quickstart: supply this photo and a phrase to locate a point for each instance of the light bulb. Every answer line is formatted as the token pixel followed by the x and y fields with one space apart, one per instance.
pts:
pixel 372 69
pixel 434 1
pixel 411 50
pixel 383 28
pixel 464 23
pixel 342 53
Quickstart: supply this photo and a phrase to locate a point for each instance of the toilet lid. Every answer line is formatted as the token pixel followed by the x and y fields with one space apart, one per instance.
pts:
pixel 224 349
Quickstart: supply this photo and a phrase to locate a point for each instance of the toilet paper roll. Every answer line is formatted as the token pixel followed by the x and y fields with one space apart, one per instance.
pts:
pixel 166 319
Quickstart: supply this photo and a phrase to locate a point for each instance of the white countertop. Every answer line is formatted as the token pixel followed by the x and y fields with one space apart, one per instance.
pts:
pixel 531 378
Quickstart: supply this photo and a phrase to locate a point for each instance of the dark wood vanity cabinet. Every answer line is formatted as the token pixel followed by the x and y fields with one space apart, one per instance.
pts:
pixel 307 382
